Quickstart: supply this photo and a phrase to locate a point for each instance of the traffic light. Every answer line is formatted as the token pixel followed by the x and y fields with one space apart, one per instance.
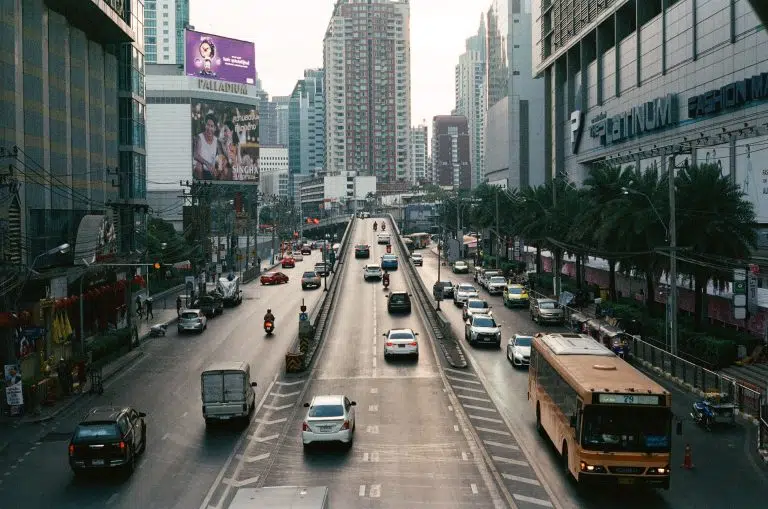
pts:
pixel 156 266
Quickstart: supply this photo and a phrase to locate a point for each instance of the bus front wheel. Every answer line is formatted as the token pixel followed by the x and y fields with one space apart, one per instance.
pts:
pixel 566 468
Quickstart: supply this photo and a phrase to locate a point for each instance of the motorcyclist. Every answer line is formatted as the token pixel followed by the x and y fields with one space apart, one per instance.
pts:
pixel 383 226
pixel 385 278
pixel 375 225
pixel 269 317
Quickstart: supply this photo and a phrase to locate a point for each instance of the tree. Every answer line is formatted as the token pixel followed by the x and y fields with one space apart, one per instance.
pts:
pixel 714 220
pixel 164 243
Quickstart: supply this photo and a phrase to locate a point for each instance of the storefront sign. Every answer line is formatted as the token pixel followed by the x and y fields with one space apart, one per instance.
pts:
pixel 222 86
pixel 649 116
pixel 577 127
pixel 733 95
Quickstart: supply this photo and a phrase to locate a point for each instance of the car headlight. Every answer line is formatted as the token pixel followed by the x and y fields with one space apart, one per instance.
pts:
pixel 498 334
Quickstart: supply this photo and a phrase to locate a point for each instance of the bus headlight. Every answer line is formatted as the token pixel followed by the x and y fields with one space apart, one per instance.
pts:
pixel 659 470
pixel 592 469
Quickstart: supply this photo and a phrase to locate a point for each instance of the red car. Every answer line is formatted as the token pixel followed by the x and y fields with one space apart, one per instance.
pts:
pixel 274 278
pixel 288 262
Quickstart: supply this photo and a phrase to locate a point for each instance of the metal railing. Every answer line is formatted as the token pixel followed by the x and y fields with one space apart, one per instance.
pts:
pixel 762 435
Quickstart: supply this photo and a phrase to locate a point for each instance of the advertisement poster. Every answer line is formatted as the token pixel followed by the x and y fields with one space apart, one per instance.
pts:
pixel 225 142
pixel 219 58
pixel 719 155
pixel 752 173
pixel 14 394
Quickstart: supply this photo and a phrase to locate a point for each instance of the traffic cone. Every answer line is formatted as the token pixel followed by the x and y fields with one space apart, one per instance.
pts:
pixel 687 459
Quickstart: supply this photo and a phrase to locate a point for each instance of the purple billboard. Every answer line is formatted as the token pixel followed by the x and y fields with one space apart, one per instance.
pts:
pixel 219 58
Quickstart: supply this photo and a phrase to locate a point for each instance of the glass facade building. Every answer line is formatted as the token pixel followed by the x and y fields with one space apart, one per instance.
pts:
pixel 306 128
pixel 164 24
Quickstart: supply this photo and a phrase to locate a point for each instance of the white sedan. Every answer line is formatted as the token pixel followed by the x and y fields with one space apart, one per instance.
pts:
pixel 519 350
pixel 401 342
pixel 296 255
pixel 464 292
pixel 372 271
pixel 329 419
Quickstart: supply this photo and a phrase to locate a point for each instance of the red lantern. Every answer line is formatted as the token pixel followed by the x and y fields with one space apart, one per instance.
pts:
pixel 121 285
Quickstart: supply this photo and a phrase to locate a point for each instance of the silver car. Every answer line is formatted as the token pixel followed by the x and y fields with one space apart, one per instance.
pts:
pixel 546 311
pixel 475 307
pixel 482 329
pixel 401 342
pixel 496 285
pixel 329 419
pixel 372 271
pixel 192 320
pixel 463 292
pixel 519 350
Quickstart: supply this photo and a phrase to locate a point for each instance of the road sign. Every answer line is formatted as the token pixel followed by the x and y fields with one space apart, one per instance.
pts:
pixel 752 293
pixel 303 317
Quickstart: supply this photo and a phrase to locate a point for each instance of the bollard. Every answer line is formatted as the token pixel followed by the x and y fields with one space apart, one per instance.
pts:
pixel 687 459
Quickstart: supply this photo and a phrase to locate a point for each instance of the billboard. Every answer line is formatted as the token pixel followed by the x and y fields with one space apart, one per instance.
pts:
pixel 225 142
pixel 219 58
pixel 752 174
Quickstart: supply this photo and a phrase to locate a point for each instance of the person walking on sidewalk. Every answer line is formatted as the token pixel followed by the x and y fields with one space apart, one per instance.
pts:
pixel 150 314
pixel 178 305
pixel 138 306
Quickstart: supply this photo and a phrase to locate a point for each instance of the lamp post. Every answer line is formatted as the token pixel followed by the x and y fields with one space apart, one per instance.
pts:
pixel 439 263
pixel 62 248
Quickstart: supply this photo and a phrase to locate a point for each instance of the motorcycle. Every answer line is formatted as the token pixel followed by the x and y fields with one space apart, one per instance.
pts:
pixel 383 226
pixel 620 347
pixel 269 327
pixel 375 226
pixel 385 281
pixel 158 330
pixel 715 408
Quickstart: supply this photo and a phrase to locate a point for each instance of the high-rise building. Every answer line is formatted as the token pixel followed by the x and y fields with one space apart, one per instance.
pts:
pixel 419 153
pixel 281 119
pixel 470 98
pixel 450 151
pixel 267 120
pixel 164 24
pixel 514 154
pixel 306 128
pixel 366 56
pixel 273 171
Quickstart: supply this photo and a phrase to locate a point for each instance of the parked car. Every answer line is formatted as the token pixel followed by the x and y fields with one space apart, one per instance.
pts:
pixel 274 278
pixel 211 305
pixel 401 342
pixel 460 267
pixel 288 262
pixel 192 320
pixel 546 311
pixel 519 350
pixel 482 329
pixel 515 295
pixel 442 290
pixel 310 279
pixel 362 251
pixel 329 418
pixel 463 292
pixel 372 271
pixel 389 262
pixel 108 438
pixel 417 259
pixel 399 301
pixel 475 307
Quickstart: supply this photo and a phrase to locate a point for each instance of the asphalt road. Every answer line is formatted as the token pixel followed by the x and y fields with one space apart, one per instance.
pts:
pixel 725 474
pixel 412 448
pixel 182 459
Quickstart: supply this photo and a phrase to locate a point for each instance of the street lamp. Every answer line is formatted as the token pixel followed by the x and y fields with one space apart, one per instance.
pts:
pixel 627 191
pixel 62 248
pixel 439 262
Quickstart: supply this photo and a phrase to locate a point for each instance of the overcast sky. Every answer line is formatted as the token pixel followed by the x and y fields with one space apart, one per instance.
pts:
pixel 288 35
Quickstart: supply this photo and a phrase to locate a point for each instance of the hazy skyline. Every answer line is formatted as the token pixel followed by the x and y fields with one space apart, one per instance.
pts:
pixel 439 29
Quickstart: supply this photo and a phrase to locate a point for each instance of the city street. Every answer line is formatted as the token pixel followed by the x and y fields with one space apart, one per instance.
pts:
pixel 411 447
pixel 182 459
pixel 725 474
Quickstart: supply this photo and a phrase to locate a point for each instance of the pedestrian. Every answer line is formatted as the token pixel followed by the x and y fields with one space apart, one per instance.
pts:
pixel 178 305
pixel 149 309
pixel 64 382
pixel 138 306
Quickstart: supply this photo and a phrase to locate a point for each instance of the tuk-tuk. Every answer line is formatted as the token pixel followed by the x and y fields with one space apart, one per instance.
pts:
pixel 616 339
pixel 577 322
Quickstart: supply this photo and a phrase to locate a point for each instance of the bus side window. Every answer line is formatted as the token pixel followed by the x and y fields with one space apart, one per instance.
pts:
pixel 579 415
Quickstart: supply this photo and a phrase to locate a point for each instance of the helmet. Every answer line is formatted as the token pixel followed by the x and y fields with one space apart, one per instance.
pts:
pixel 269 310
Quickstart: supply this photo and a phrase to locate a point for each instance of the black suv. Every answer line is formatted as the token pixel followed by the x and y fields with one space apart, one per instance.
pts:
pixel 399 301
pixel 362 251
pixel 211 304
pixel 108 438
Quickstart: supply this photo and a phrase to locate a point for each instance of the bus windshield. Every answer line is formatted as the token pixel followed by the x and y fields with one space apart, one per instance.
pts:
pixel 626 428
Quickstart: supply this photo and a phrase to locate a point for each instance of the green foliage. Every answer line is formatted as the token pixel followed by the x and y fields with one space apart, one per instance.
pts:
pixel 165 244
pixel 106 347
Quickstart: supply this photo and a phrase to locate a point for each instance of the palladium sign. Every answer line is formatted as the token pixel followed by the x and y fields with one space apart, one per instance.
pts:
pixel 649 116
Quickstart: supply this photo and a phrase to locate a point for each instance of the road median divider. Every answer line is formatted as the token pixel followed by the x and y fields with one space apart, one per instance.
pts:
pixel 437 321
pixel 302 351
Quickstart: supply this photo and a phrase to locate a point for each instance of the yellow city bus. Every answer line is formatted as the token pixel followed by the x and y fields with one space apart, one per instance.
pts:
pixel 610 423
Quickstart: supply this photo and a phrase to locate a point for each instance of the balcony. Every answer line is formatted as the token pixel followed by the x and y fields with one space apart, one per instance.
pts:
pixel 103 21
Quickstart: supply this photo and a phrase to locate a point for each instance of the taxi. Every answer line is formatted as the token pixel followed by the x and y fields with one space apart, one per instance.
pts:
pixel 515 296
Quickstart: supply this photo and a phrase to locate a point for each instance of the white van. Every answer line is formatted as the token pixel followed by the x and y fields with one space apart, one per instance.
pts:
pixel 281 497
pixel 227 391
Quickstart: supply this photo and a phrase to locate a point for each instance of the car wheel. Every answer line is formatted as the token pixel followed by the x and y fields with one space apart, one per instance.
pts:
pixel 131 465
pixel 143 439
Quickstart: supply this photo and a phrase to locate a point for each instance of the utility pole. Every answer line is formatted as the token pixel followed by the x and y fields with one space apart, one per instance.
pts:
pixel 556 268
pixel 672 257
pixel 498 230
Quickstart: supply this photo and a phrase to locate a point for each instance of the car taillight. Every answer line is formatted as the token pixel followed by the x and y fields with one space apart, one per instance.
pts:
pixel 122 445
pixel 412 343
pixel 304 427
pixel 345 425
pixel 71 450
pixel 389 343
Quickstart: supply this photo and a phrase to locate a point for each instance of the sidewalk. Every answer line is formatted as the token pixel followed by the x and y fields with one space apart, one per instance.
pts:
pixel 164 312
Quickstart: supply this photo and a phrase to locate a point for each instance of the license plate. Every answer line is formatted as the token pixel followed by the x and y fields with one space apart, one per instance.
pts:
pixel 401 346
pixel 97 463
pixel 326 428
pixel 626 480
pixel 224 417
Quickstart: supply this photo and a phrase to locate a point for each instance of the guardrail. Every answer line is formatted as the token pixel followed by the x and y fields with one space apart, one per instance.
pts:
pixel 302 351
pixel 762 432
pixel 440 325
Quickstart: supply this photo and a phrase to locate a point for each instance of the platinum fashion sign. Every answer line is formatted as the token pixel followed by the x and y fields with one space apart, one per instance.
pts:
pixel 646 117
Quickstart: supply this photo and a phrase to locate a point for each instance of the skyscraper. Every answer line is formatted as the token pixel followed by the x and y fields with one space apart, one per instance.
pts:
pixel 470 98
pixel 164 23
pixel 281 119
pixel 306 128
pixel 450 151
pixel 419 142
pixel 368 101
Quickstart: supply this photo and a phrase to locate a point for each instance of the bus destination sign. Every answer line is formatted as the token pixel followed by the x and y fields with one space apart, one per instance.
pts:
pixel 629 399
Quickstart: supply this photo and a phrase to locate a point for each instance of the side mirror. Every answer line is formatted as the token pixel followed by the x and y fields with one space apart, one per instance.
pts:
pixel 490 307
pixel 385 334
pixel 469 322
pixel 573 421
pixel 306 405
pixel 415 333
pixel 142 414
pixel 353 403
pixel 253 384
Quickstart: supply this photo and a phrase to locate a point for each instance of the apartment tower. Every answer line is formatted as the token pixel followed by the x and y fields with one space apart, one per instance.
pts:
pixel 164 23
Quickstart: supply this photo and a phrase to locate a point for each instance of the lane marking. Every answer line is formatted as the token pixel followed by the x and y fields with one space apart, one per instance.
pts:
pixel 486 419
pixel 365 456
pixel 374 390
pixel 473 398
pixel 517 478
pixel 184 414
pixel 489 430
pixel 263 439
pixel 374 363
pixel 285 394
pixel 532 500
pixel 374 457
pixel 240 484
pixel 459 371
pixel 165 436
pixel 499 444
pixel 420 376
pixel 450 408
pixel 456 427
pixel 475 491
pixel 274 421
pixel 375 491
pixel 464 456
pixel 463 380
pixel 470 389
pixel 112 499
pixel 372 429
pixel 252 459
pixel 291 383
pixel 27 453
pixel 510 461
pixel 361 492
pixel 482 408
pixel 278 408
pixel 373 408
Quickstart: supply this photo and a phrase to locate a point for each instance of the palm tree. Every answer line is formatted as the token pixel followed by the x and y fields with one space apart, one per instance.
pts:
pixel 715 220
